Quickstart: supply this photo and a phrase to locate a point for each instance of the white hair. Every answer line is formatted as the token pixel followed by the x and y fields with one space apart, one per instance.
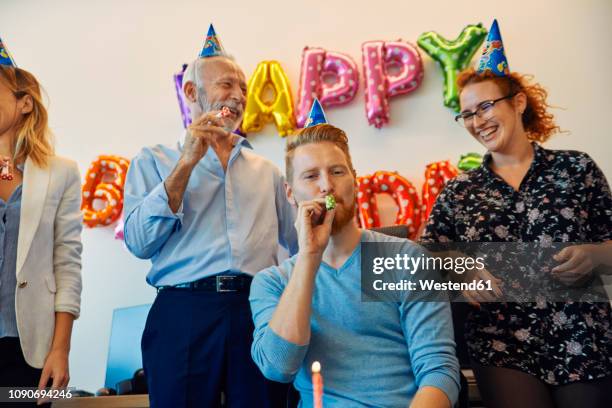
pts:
pixel 190 73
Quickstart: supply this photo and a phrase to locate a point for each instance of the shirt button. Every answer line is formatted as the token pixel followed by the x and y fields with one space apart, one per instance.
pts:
pixel 23 284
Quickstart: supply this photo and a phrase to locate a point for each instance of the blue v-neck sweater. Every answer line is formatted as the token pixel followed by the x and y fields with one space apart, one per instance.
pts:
pixel 375 354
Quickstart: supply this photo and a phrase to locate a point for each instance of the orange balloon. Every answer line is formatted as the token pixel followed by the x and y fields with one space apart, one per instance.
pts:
pixel 104 180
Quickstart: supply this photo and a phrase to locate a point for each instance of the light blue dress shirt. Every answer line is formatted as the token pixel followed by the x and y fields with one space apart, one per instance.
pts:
pixel 9 232
pixel 229 221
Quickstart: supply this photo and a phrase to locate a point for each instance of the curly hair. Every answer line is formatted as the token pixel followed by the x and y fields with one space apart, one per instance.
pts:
pixel 538 123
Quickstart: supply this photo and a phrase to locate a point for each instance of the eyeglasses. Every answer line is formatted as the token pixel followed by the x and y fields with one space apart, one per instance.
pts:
pixel 483 110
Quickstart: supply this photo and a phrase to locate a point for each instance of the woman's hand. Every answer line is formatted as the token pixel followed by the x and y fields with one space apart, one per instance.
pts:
pixel 577 263
pixel 56 363
pixel 56 368
pixel 475 297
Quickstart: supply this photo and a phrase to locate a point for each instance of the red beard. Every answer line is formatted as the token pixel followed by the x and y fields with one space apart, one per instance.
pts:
pixel 343 216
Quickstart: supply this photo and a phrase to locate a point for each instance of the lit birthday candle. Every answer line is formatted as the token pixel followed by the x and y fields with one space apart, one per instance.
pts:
pixel 317 385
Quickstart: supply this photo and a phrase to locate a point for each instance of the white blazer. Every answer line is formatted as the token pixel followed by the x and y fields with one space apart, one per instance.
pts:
pixel 48 253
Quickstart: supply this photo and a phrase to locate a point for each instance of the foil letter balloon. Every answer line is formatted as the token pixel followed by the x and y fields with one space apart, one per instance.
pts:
pixel 259 111
pixel 469 161
pixel 453 56
pixel 331 77
pixel 104 181
pixel 184 108
pixel 390 69
pixel 401 190
pixel 436 176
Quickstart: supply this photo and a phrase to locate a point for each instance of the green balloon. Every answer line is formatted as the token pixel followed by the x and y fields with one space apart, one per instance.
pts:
pixel 469 161
pixel 453 56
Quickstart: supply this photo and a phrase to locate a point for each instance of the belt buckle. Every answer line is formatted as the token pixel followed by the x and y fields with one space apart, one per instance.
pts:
pixel 220 279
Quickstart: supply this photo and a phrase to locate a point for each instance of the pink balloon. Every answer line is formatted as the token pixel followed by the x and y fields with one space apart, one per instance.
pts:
pixel 378 59
pixel 331 77
pixel 310 82
pixel 343 70
pixel 377 105
pixel 410 75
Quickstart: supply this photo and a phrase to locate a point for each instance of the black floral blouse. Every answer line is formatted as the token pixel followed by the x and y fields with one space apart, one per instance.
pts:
pixel 564 197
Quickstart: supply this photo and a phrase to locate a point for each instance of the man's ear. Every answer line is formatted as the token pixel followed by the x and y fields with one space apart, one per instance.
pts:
pixel 27 104
pixel 289 192
pixel 189 89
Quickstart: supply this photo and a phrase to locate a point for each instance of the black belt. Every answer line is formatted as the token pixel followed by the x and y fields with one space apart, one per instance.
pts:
pixel 217 283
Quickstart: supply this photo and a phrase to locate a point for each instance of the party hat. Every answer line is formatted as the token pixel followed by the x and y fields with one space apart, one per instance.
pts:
pixel 493 58
pixel 316 115
pixel 5 56
pixel 212 46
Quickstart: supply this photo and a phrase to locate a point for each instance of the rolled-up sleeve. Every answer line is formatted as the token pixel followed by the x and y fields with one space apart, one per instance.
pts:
pixel 278 359
pixel 67 246
pixel 149 221
pixel 428 329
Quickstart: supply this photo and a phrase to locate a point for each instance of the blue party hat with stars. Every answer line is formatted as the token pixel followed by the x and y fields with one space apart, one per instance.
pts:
pixel 493 58
pixel 316 115
pixel 5 56
pixel 212 46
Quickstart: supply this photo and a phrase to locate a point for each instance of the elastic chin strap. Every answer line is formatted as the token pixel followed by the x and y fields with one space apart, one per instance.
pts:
pixel 17 144
pixel 198 84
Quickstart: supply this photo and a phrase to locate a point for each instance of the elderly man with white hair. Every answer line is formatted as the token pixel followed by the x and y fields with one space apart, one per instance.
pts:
pixel 209 214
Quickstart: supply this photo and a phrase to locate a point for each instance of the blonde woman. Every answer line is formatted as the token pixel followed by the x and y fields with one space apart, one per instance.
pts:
pixel 40 240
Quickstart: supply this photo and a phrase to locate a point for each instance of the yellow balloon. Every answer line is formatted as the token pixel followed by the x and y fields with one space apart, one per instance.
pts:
pixel 258 112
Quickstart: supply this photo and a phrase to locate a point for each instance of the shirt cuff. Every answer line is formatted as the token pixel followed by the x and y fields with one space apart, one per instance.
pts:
pixel 157 204
pixel 444 382
pixel 287 357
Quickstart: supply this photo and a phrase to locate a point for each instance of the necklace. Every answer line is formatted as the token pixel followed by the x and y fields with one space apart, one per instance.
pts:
pixel 5 170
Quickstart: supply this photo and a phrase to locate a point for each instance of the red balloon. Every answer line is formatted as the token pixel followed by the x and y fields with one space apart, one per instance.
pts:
pixel 403 192
pixel 436 176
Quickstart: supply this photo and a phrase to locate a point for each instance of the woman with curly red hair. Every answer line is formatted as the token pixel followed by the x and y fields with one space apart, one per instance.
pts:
pixel 541 354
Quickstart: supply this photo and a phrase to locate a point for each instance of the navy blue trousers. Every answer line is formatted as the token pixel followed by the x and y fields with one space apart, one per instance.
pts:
pixel 196 345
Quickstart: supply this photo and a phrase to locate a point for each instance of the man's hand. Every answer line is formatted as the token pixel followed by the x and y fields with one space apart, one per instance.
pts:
pixel 200 135
pixel 291 319
pixel 313 225
pixel 430 397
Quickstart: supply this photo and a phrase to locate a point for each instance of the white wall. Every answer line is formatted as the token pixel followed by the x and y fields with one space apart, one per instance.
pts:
pixel 107 67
